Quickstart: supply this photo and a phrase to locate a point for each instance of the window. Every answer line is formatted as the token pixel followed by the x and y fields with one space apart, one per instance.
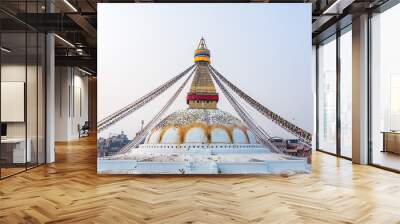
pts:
pixel 327 95
pixel 346 93
pixel 385 89
pixel 334 60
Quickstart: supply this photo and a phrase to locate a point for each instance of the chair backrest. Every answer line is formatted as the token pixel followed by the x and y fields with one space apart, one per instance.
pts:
pixel 86 125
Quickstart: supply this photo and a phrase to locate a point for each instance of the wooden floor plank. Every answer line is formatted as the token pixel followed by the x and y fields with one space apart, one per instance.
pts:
pixel 70 191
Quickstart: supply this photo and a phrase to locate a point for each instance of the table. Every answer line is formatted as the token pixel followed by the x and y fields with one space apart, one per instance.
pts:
pixel 391 141
pixel 13 150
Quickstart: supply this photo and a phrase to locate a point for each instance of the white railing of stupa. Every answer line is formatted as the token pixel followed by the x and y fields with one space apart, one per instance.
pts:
pixel 264 167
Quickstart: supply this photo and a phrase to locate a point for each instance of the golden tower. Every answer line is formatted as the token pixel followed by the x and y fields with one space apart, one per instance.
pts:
pixel 203 94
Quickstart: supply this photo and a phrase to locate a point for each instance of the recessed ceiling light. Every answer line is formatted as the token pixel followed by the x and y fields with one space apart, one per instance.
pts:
pixel 70 5
pixel 5 50
pixel 338 6
pixel 84 71
pixel 64 40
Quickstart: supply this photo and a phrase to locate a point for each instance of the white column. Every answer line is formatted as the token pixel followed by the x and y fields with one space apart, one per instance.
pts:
pixel 62 103
pixel 50 92
pixel 360 90
pixel 50 98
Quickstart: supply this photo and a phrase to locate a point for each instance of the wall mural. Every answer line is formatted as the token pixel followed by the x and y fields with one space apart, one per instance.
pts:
pixel 200 138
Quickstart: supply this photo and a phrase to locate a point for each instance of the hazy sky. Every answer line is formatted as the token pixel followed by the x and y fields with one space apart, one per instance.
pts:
pixel 264 49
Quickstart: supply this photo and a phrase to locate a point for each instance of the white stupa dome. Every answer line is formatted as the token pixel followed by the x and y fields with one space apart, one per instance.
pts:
pixel 200 126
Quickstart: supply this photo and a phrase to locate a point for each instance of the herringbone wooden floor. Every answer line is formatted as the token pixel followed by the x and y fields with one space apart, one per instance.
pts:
pixel 70 191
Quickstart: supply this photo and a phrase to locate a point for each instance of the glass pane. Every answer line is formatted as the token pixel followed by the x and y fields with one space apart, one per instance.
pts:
pixel 386 89
pixel 346 94
pixel 41 98
pixel 22 102
pixel 327 96
pixel 13 86
pixel 31 97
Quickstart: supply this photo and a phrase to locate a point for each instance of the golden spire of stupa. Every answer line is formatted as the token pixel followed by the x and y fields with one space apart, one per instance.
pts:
pixel 203 94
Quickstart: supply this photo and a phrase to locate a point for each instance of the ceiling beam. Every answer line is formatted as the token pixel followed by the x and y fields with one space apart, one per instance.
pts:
pixel 338 6
pixel 86 27
pixel 82 61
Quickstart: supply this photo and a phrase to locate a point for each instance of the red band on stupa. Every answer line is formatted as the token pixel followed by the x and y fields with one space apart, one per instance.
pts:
pixel 202 97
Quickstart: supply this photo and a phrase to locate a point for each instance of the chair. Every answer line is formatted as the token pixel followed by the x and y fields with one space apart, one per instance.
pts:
pixel 84 130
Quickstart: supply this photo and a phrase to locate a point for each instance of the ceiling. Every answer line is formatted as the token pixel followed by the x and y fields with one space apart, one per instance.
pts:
pixel 75 21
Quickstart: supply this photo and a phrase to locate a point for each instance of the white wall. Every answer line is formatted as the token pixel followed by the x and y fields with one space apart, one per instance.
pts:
pixel 71 102
pixel 16 73
pixel 33 126
pixel 10 73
